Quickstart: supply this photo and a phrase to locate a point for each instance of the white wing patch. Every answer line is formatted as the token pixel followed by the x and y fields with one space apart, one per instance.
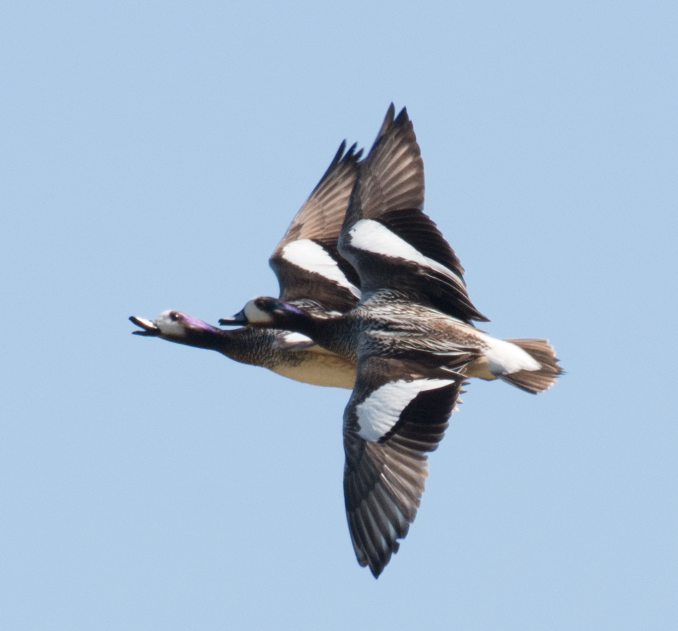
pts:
pixel 314 258
pixel 380 411
pixel 372 236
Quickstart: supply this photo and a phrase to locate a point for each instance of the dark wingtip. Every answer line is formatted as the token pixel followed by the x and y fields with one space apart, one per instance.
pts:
pixel 340 161
pixel 340 152
pixel 352 155
pixel 402 117
pixel 388 121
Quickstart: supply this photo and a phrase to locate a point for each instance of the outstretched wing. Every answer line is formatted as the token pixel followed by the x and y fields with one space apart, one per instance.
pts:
pixel 397 413
pixel 306 261
pixel 387 237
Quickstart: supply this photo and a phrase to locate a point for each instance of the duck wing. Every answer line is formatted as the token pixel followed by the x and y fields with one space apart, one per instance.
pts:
pixel 397 413
pixel 306 261
pixel 387 237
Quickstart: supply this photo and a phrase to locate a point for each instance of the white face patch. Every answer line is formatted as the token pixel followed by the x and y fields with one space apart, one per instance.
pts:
pixel 255 315
pixel 312 257
pixel 168 326
pixel 372 236
pixel 381 410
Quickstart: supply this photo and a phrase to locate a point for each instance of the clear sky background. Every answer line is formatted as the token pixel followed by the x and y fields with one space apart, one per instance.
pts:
pixel 153 154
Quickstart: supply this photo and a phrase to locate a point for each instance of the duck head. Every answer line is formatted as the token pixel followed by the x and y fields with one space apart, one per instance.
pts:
pixel 270 313
pixel 178 327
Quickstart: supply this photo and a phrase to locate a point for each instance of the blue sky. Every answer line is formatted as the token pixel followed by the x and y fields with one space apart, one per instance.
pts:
pixel 152 156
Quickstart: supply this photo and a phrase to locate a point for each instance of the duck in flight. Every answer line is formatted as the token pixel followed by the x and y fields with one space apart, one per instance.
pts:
pixel 411 336
pixel 312 275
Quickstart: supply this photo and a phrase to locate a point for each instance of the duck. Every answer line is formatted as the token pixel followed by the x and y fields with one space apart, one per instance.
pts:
pixel 412 336
pixel 288 354
pixel 311 274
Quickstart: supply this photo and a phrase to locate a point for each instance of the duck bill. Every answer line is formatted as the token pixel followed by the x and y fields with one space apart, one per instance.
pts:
pixel 149 328
pixel 239 319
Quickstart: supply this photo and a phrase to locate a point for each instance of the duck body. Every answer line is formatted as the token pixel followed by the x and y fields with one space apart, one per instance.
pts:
pixel 386 323
pixel 283 352
pixel 316 365
pixel 411 336
pixel 394 325
pixel 312 275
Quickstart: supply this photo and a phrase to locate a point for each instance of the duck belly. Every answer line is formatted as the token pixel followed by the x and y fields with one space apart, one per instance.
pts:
pixel 319 369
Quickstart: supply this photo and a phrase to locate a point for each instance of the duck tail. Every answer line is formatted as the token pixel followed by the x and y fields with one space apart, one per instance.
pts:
pixel 535 380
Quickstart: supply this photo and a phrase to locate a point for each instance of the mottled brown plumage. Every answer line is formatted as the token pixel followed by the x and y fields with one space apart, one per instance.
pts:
pixel 413 340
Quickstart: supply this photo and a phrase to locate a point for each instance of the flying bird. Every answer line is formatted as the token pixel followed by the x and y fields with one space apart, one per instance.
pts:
pixel 311 274
pixel 412 337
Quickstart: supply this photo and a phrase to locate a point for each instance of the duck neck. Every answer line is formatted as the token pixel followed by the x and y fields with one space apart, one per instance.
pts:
pixel 208 337
pixel 327 329
pixel 299 321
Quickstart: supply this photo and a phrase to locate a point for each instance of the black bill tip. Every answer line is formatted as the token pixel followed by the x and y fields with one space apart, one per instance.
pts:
pixel 238 319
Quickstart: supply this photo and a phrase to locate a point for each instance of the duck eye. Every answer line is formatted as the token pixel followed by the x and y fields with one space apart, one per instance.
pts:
pixel 174 316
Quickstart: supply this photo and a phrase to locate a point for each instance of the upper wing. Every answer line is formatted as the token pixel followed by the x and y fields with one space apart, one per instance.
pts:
pixel 306 261
pixel 397 413
pixel 387 237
